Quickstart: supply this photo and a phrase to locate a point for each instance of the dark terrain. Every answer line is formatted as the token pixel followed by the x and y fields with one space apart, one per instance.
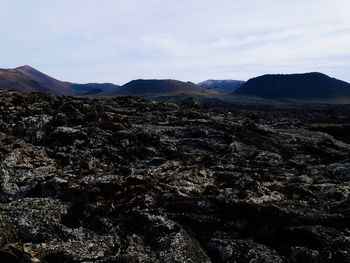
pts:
pixel 141 87
pixel 130 180
pixel 306 86
pixel 225 85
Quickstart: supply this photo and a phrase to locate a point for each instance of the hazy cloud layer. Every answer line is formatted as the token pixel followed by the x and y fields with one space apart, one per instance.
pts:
pixel 116 41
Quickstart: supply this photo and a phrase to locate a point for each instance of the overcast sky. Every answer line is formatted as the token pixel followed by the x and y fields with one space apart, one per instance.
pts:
pixel 119 40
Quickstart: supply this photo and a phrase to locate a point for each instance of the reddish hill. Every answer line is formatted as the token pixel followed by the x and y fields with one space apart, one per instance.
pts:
pixel 28 79
pixel 53 85
pixel 15 80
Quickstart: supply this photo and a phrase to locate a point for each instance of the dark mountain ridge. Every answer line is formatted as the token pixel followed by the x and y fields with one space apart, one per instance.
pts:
pixel 302 87
pixel 295 86
pixel 161 87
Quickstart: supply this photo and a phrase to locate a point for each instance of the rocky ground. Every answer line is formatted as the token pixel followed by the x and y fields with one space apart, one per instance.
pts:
pixel 129 180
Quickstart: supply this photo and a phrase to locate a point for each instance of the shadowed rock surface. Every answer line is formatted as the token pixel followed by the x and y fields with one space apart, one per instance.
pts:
pixel 130 180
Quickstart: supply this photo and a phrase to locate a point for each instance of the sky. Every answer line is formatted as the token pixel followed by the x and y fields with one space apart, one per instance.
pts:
pixel 191 40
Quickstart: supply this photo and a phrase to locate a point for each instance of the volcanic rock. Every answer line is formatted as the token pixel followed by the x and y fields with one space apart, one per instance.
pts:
pixel 132 180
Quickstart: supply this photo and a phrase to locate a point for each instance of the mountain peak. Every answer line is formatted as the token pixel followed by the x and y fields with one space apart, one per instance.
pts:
pixel 50 84
pixel 25 67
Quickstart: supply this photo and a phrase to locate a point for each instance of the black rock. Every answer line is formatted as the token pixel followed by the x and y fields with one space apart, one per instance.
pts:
pixel 132 180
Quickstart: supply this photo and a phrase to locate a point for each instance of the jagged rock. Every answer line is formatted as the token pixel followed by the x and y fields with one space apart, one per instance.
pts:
pixel 131 180
pixel 242 251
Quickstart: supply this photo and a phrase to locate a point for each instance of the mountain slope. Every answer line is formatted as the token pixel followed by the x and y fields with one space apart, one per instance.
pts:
pixel 12 79
pixel 53 85
pixel 227 85
pixel 295 86
pixel 159 87
pixel 28 79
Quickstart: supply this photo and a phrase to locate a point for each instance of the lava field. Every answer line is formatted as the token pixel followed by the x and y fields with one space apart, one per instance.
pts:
pixel 134 180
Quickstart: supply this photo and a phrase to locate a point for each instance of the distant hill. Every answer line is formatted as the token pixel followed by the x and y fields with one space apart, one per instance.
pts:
pixel 159 87
pixel 226 85
pixel 17 79
pixel 28 79
pixel 50 84
pixel 307 86
pixel 105 89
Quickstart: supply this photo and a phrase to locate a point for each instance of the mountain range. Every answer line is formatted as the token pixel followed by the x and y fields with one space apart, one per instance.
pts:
pixel 306 86
pixel 28 79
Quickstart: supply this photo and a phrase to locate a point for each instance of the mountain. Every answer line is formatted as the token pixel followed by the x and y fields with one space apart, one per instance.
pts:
pixel 307 86
pixel 226 85
pixel 159 87
pixel 94 89
pixel 14 79
pixel 295 86
pixel 28 79
pixel 52 85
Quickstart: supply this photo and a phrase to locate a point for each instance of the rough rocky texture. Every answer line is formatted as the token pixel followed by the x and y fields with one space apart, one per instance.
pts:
pixel 129 180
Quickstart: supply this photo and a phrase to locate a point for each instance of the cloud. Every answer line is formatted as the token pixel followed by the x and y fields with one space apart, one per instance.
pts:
pixel 115 41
